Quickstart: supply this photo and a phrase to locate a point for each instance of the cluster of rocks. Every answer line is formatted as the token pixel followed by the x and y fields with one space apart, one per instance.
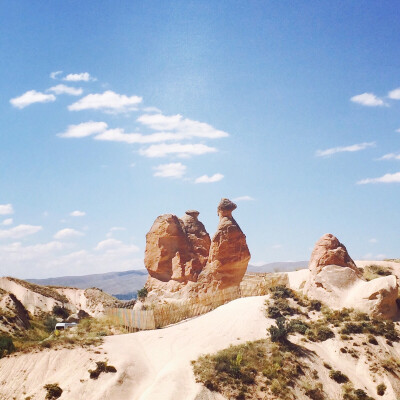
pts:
pixel 181 256
pixel 183 261
pixel 335 279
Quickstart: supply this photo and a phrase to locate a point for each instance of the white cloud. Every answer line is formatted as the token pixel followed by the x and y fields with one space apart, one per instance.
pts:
pixel 67 233
pixel 394 94
pixel 352 148
pixel 118 135
pixel 172 170
pixel 181 150
pixel 83 76
pixel 387 178
pixel 77 213
pixel 243 198
pixel 84 129
pixel 390 156
pixel 30 97
pixel 152 110
pixel 209 179
pixel 19 231
pixel 54 75
pixel 63 89
pixel 373 240
pixel 368 99
pixel 7 222
pixel 187 128
pixel 6 209
pixel 108 101
pixel 114 229
pixel 111 245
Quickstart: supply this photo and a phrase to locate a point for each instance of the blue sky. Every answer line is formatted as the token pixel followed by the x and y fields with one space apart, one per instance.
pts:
pixel 113 113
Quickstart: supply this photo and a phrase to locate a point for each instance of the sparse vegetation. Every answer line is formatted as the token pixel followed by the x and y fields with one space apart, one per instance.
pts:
pixel 43 290
pixel 53 391
pixel 61 312
pixel 101 366
pixel 6 346
pixel 235 370
pixel 338 376
pixel 279 333
pixel 142 293
pixel 374 271
pixel 381 389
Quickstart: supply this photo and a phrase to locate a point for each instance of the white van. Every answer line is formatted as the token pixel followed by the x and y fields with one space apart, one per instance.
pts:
pixel 64 325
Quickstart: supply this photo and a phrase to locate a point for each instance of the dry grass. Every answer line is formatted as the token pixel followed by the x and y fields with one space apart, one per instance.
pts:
pixel 373 271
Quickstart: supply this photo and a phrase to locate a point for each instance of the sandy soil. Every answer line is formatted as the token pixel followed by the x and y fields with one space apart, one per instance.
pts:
pixel 151 365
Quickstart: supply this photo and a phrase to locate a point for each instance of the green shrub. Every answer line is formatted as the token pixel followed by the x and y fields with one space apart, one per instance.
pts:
pixel 351 327
pixel 61 312
pixel 315 305
pixel 6 346
pixel 50 324
pixel 380 389
pixel 338 376
pixel 101 367
pixel 297 325
pixel 319 333
pixel 282 292
pixel 280 331
pixel 53 391
pixel 142 293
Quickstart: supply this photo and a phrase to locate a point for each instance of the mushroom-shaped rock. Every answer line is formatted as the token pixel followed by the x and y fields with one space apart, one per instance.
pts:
pixel 229 254
pixel 167 249
pixel 335 280
pixel 198 238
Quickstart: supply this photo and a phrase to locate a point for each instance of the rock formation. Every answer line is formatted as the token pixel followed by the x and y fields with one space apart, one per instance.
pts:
pixel 180 254
pixel 335 280
pixel 229 254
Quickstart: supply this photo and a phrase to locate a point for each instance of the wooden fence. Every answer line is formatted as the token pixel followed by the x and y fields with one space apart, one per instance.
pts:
pixel 160 315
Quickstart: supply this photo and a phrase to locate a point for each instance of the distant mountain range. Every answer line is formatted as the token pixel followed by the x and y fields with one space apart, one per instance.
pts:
pixel 124 285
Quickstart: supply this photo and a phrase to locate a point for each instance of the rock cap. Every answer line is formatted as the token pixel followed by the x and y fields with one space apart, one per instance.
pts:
pixel 192 213
pixel 225 207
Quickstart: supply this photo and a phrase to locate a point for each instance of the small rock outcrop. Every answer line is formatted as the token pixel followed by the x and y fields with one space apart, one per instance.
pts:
pixel 329 251
pixel 181 256
pixel 335 279
pixel 229 254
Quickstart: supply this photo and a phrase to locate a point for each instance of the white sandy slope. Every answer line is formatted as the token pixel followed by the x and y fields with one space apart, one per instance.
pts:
pixel 151 365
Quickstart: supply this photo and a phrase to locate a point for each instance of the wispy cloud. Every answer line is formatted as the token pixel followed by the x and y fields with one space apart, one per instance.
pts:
pixel 368 99
pixel 243 198
pixel 394 94
pixel 387 178
pixel 6 209
pixel 209 179
pixel 390 156
pixel 172 170
pixel 373 240
pixel 352 148
pixel 55 74
pixel 181 150
pixel 84 129
pixel 112 245
pixel 63 89
pixel 108 101
pixel 31 97
pixel 118 135
pixel 7 222
pixel 67 233
pixel 83 76
pixel 187 128
pixel 19 231
pixel 114 229
pixel 77 213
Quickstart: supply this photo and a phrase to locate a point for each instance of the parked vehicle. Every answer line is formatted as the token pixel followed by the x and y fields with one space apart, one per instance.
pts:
pixel 64 325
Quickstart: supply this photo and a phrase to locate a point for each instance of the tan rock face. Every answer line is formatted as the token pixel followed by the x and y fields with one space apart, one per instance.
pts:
pixel 229 254
pixel 167 249
pixel 335 280
pixel 329 251
pixel 181 251
pixel 198 238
